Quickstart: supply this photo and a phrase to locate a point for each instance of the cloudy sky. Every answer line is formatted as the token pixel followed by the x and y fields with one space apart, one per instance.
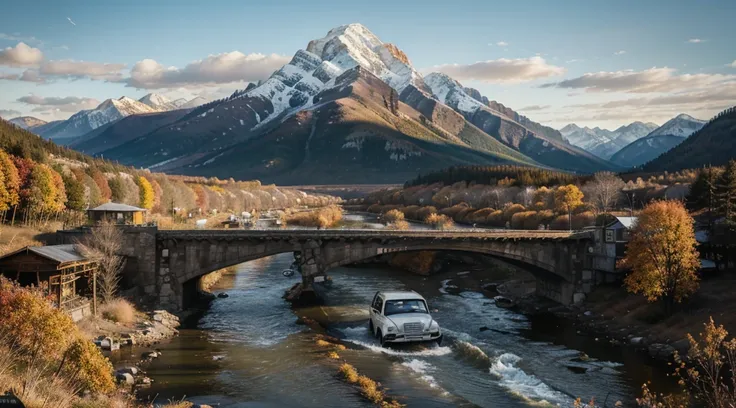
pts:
pixel 594 63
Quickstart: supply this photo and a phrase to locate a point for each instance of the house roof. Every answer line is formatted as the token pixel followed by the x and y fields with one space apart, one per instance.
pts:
pixel 627 222
pixel 117 207
pixel 58 253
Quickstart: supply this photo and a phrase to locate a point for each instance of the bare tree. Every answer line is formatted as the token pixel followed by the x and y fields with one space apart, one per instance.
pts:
pixel 604 191
pixel 103 245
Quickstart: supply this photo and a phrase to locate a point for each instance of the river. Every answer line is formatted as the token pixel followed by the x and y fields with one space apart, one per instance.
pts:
pixel 249 350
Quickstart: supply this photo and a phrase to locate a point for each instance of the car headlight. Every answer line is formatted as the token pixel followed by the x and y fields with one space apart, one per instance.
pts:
pixel 434 326
pixel 391 328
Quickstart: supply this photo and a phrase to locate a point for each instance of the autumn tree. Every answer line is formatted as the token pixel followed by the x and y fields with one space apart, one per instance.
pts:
pixel 567 198
pixel 75 199
pixel 726 192
pixel 661 254
pixel 145 191
pixel 9 183
pixel 103 244
pixel 703 192
pixel 604 191
pixel 102 184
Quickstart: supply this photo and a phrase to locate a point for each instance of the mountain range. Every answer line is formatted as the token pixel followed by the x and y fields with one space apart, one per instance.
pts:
pixel 658 141
pixel 109 111
pixel 603 142
pixel 714 143
pixel 348 108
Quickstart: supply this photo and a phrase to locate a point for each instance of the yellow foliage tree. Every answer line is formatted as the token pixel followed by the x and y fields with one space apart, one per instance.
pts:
pixel 662 254
pixel 567 198
pixel 145 192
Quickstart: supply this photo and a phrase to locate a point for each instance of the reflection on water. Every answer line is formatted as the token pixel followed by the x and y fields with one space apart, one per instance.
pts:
pixel 248 349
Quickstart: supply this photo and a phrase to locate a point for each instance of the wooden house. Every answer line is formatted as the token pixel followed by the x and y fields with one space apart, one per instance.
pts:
pixel 69 278
pixel 117 213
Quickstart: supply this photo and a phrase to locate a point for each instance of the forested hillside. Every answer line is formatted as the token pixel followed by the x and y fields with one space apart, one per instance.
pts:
pixel 41 181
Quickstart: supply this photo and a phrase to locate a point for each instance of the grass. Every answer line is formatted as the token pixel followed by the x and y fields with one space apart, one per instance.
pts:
pixel 369 388
pixel 324 217
pixel 333 355
pixel 325 344
pixel 118 310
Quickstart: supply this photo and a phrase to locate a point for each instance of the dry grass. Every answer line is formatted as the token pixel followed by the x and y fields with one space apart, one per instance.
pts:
pixel 393 216
pixel 333 355
pixel 369 389
pixel 400 225
pixel 118 310
pixel 324 217
pixel 324 343
pixel 14 238
pixel 349 373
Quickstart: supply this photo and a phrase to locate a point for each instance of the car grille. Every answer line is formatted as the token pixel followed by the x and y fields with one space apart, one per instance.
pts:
pixel 412 328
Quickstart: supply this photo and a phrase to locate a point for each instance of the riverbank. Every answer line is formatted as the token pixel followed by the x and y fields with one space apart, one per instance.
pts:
pixel 612 315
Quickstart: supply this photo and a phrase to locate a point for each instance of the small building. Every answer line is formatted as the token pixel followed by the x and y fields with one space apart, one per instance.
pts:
pixel 69 278
pixel 117 213
pixel 617 235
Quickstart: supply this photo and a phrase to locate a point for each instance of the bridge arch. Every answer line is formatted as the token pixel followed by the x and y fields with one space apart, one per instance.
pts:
pixel 183 256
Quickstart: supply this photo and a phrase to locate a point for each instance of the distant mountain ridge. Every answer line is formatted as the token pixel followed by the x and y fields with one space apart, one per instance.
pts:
pixel 714 143
pixel 110 110
pixel 658 141
pixel 27 122
pixel 603 142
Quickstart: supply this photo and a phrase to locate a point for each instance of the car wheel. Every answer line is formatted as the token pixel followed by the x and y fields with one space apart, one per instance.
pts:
pixel 370 326
pixel 379 337
pixel 439 341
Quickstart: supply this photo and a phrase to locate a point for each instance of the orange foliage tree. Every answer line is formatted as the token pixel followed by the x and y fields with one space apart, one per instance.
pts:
pixel 662 254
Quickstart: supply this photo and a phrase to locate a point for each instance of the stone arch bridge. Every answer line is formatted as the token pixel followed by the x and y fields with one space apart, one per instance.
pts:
pixel 161 263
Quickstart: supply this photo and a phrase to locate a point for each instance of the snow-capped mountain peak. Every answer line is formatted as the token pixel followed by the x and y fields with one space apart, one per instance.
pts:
pixel 156 101
pixel 27 122
pixel 451 93
pixel 681 125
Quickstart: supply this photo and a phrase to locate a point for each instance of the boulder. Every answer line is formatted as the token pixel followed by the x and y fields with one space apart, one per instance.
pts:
pixel 149 355
pixel 129 370
pixel 637 341
pixel 223 295
pixel 661 351
pixel 125 378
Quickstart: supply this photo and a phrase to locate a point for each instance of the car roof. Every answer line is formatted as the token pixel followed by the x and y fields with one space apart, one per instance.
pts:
pixel 400 294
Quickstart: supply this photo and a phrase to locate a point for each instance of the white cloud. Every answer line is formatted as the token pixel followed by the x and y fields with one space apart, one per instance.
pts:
pixel 58 104
pixel 82 69
pixel 535 108
pixel 621 52
pixel 8 113
pixel 21 55
pixel 695 41
pixel 733 64
pixel 502 70
pixel 502 44
pixel 20 38
pixel 215 69
pixel 650 80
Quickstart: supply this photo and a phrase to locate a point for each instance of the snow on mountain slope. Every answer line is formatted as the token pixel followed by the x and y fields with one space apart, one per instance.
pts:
pixel 27 122
pixel 451 93
pixel 681 125
pixel 586 137
pixel 633 131
pixel 184 104
pixel 158 102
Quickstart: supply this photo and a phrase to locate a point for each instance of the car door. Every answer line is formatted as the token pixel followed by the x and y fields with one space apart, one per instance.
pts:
pixel 376 311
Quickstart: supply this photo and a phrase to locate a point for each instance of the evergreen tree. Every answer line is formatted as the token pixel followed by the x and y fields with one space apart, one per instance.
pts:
pixel 726 192
pixel 117 189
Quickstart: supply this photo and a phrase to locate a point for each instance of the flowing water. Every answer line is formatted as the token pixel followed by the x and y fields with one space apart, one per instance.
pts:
pixel 248 350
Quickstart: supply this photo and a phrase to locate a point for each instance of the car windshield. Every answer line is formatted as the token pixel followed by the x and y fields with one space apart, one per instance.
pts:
pixel 393 307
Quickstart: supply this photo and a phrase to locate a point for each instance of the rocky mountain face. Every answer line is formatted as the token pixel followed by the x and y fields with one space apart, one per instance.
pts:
pixel 348 108
pixel 713 144
pixel 658 141
pixel 27 122
pixel 603 142
pixel 550 151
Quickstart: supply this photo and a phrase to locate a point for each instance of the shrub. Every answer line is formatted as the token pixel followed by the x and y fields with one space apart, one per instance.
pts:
pixel 479 216
pixel 400 225
pixel 496 219
pixel 333 355
pixel 424 212
pixel 118 310
pixel 410 212
pixel 84 363
pixel 393 216
pixel 439 221
pixel 323 218
pixel 512 209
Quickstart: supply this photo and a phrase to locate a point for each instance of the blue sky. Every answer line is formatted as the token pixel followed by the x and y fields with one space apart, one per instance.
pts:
pixel 595 63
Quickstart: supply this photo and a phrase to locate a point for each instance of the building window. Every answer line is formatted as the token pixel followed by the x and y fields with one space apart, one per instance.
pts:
pixel 625 235
pixel 120 216
pixel 610 235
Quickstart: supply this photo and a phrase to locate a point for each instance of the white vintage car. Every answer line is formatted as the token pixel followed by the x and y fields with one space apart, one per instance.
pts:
pixel 401 317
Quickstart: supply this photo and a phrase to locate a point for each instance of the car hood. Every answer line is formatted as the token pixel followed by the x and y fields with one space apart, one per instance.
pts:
pixel 401 318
